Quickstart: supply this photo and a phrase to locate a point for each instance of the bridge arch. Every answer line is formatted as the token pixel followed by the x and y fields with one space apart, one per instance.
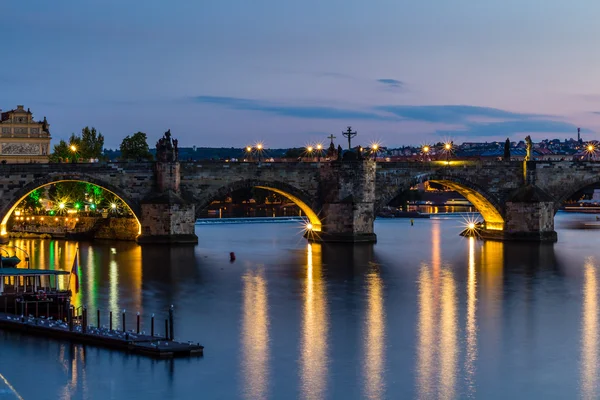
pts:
pixel 487 205
pixel 302 199
pixel 7 208
pixel 572 189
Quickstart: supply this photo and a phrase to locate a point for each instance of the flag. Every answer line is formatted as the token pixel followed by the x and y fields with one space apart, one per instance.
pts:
pixel 75 271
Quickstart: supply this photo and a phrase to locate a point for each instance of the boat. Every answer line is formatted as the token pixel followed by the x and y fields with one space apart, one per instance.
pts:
pixel 36 292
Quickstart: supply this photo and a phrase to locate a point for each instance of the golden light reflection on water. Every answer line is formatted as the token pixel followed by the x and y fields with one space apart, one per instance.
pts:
pixel 315 328
pixel 91 287
pixel 492 271
pixel 374 339
pixel 471 326
pixel 589 333
pixel 255 336
pixel 448 343
pixel 437 329
pixel 73 363
pixel 113 288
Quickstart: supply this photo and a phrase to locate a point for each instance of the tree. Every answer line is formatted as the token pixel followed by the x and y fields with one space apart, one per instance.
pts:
pixel 91 143
pixel 135 148
pixel 63 151
pixel 507 150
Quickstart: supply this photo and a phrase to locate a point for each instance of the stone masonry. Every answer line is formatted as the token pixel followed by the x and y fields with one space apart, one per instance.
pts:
pixel 517 200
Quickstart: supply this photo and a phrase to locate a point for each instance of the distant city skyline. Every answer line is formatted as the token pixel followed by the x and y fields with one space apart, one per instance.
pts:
pixel 224 74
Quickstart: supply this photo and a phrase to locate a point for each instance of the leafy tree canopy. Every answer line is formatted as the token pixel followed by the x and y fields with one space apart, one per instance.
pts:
pixel 91 143
pixel 79 148
pixel 135 147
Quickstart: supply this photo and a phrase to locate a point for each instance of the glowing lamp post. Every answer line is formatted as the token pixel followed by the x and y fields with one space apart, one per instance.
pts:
pixel 425 151
pixel 448 149
pixel 374 148
pixel 259 148
pixel 319 149
pixel 249 153
pixel 590 150
pixel 309 150
pixel 74 150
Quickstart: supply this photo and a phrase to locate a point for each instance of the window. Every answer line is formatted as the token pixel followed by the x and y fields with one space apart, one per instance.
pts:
pixel 35 130
pixel 6 130
pixel 20 130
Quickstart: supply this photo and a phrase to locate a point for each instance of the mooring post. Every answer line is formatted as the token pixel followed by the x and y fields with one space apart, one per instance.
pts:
pixel 138 323
pixel 171 322
pixel 166 329
pixel 152 326
pixel 98 318
pixel 84 320
pixel 110 321
pixel 123 320
pixel 48 310
pixel 71 319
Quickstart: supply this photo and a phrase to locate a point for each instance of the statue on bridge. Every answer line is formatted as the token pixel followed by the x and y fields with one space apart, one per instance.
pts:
pixel 166 148
pixel 528 148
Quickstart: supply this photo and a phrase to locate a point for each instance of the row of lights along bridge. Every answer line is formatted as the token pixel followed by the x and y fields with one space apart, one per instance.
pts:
pixel 317 151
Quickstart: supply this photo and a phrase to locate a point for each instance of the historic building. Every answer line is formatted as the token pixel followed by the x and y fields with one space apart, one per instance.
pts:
pixel 23 140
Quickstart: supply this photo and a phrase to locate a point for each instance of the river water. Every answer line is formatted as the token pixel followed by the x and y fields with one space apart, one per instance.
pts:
pixel 424 313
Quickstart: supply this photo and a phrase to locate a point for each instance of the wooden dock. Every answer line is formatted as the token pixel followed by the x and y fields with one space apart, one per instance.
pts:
pixel 129 341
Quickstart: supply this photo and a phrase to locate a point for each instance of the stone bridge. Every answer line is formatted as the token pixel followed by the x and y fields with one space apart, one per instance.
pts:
pixel 517 200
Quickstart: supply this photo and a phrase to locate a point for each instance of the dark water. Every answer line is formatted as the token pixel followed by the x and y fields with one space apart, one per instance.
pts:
pixel 424 313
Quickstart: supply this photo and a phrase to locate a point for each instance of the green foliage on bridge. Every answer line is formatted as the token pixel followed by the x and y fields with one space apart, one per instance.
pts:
pixel 82 148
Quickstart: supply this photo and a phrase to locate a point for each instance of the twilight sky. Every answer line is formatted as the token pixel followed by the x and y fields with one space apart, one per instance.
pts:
pixel 289 73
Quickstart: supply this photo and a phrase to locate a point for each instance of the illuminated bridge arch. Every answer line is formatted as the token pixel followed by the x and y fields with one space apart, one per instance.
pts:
pixel 487 205
pixel 7 208
pixel 303 200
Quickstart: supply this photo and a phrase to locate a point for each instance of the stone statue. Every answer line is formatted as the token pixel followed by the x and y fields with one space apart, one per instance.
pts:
pixel 166 149
pixel 528 147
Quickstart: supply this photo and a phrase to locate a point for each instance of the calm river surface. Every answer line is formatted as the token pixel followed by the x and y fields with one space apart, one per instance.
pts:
pixel 424 314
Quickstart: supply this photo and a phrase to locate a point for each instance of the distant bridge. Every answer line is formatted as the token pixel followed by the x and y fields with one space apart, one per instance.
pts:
pixel 341 199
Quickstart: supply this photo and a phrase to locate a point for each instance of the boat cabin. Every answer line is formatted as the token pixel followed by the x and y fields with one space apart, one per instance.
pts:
pixel 36 291
pixel 21 280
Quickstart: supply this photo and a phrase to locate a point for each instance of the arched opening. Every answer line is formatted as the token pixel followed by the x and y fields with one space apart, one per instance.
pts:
pixel 314 220
pixel 298 197
pixel 490 214
pixel 474 196
pixel 28 189
pixel 579 205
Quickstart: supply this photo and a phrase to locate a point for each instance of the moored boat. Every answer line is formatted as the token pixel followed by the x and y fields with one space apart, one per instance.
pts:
pixel 34 292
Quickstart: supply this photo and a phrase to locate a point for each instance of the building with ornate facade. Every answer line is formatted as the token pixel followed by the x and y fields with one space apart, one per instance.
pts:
pixel 23 140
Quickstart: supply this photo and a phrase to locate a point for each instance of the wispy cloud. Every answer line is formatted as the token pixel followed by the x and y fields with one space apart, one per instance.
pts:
pixel 294 111
pixel 392 83
pixel 471 121
pixel 452 113
pixel 508 128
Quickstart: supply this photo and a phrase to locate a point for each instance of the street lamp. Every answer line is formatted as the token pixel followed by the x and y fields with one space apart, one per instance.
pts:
pixel 448 149
pixel 374 148
pixel 249 151
pixel 74 150
pixel 590 150
pixel 259 148
pixel 319 149
pixel 309 150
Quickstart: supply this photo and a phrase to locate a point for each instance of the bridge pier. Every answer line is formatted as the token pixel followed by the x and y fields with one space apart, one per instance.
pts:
pixel 347 202
pixel 166 217
pixel 529 216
